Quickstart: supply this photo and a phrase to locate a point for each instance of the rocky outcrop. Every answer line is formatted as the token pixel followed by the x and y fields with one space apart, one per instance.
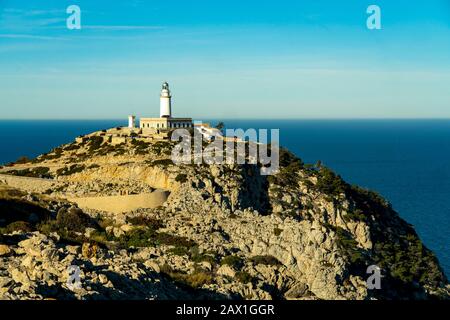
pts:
pixel 41 269
pixel 225 231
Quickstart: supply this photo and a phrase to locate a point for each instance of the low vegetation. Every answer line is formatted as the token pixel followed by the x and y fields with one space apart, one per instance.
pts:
pixel 22 226
pixel 160 163
pixel 161 148
pixel 69 224
pixel 232 261
pixel 94 143
pixel 141 147
pixel 277 231
pixel 23 160
pixel 350 249
pixel 290 165
pixel 265 260
pixel 194 280
pixel 52 155
pixel 67 171
pixel 330 183
pixel 244 277
pixel 37 172
pixel 181 177
pixel 16 213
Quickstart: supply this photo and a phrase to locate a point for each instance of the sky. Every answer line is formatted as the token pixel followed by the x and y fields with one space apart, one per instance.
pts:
pixel 284 59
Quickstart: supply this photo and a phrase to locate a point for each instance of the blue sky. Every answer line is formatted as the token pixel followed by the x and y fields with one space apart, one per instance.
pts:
pixel 225 59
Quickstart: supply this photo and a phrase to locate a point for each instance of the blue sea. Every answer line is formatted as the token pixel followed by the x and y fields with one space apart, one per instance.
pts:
pixel 407 161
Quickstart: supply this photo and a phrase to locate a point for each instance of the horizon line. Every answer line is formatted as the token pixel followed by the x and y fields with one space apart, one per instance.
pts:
pixel 233 119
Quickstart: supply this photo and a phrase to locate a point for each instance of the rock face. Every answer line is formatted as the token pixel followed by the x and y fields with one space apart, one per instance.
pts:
pixel 40 270
pixel 4 250
pixel 224 232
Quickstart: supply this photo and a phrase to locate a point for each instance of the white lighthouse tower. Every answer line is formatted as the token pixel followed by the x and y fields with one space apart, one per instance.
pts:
pixel 165 102
pixel 131 121
pixel 165 121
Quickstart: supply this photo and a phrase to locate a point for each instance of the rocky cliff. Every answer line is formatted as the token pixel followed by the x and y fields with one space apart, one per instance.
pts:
pixel 225 231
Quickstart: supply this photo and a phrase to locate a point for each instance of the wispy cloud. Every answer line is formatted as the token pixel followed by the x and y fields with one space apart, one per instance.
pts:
pixel 32 12
pixel 29 36
pixel 121 28
pixel 22 20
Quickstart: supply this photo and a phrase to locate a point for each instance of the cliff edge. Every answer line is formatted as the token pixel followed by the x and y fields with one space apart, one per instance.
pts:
pixel 213 231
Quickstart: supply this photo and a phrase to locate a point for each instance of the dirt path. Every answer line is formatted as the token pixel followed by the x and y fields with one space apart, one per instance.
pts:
pixel 120 204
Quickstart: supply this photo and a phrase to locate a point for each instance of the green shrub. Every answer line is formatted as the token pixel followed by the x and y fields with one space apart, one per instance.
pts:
pixel 47 227
pixel 20 173
pixel 288 159
pixel 95 142
pixel 161 148
pixel 349 247
pixel 173 240
pixel 41 172
pixel 277 231
pixel 147 237
pixel 138 238
pixel 407 260
pixel 101 237
pixel 198 279
pixel 195 280
pixel 23 160
pixel 196 256
pixel 160 162
pixel 232 261
pixel 141 147
pixel 355 215
pixel 73 219
pixel 265 260
pixel 66 235
pixel 181 177
pixel 330 183
pixel 54 154
pixel 67 171
pixel 179 251
pixel 244 277
pixel 368 203
pixel 17 226
pixel 140 144
pixel 72 147
pixel 149 222
pixel 290 165
pixel 38 172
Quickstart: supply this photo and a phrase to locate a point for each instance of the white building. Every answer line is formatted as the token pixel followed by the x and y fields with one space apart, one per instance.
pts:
pixel 165 120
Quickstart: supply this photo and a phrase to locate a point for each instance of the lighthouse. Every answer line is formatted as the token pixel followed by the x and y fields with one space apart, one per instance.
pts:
pixel 165 121
pixel 165 102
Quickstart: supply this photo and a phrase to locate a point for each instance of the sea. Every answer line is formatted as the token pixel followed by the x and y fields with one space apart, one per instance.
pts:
pixel 406 161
